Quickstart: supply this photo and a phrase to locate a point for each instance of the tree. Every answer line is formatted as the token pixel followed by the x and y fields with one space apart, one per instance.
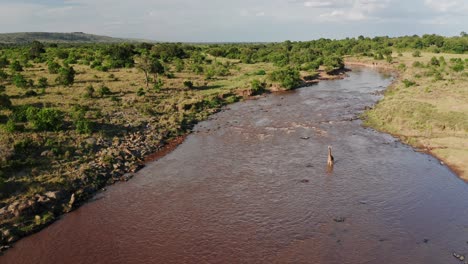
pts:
pixel 149 65
pixel 143 62
pixel 37 48
pixel 66 76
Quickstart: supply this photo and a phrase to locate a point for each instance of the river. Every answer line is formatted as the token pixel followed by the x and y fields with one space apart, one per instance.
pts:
pixel 250 185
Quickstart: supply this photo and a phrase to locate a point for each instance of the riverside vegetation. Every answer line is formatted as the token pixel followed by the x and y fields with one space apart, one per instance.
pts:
pixel 75 118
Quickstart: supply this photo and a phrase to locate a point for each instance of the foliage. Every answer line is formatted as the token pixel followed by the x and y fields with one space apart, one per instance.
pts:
pixel 4 62
pixel 45 119
pixel 332 63
pixel 81 123
pixel 5 101
pixel 188 84
pixel 89 91
pixel 104 90
pixel 42 82
pixel 416 53
pixel 288 77
pixel 36 49
pixel 53 67
pixel 66 76
pixel 257 87
pixel 16 66
pixel 408 83
pixel 20 81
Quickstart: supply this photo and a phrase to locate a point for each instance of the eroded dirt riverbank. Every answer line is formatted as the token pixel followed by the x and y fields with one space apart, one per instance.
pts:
pixel 250 186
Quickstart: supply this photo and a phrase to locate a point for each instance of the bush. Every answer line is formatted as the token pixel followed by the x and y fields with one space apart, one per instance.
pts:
pixel 16 66
pixel 418 64
pixel 3 75
pixel 42 83
pixel 30 93
pixel 333 63
pixel 141 92
pixel 188 84
pixel 10 126
pixel 260 72
pixel 416 53
pixel 289 78
pixel 45 119
pixel 257 87
pixel 434 62
pixel 104 90
pixel 408 83
pixel 82 125
pixel 5 102
pixel 20 81
pixel 53 67
pixel 4 62
pixel 66 76
pixel 89 93
pixel 2 88
pixel 158 85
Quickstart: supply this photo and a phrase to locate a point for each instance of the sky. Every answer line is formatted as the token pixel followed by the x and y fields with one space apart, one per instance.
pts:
pixel 236 20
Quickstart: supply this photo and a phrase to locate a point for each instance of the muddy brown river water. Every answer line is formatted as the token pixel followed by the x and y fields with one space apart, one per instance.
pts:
pixel 250 186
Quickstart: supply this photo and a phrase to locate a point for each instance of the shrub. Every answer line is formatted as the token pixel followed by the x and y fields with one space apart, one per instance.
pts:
pixel 141 92
pixel 418 64
pixel 333 63
pixel 416 53
pixel 289 78
pixel 82 125
pixel 260 72
pixel 66 76
pixel 158 85
pixel 89 92
pixel 257 87
pixel 16 66
pixel 30 93
pixel 20 81
pixel 45 119
pixel 179 65
pixel 459 67
pixel 434 62
pixel 104 90
pixel 389 58
pixel 3 75
pixel 42 83
pixel 2 88
pixel 408 83
pixel 10 126
pixel 4 62
pixel 188 84
pixel 5 101
pixel 53 67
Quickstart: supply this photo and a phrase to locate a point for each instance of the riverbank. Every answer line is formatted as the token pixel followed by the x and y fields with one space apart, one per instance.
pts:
pixel 426 106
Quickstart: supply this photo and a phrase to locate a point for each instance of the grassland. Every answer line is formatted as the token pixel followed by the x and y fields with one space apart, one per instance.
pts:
pixel 427 106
